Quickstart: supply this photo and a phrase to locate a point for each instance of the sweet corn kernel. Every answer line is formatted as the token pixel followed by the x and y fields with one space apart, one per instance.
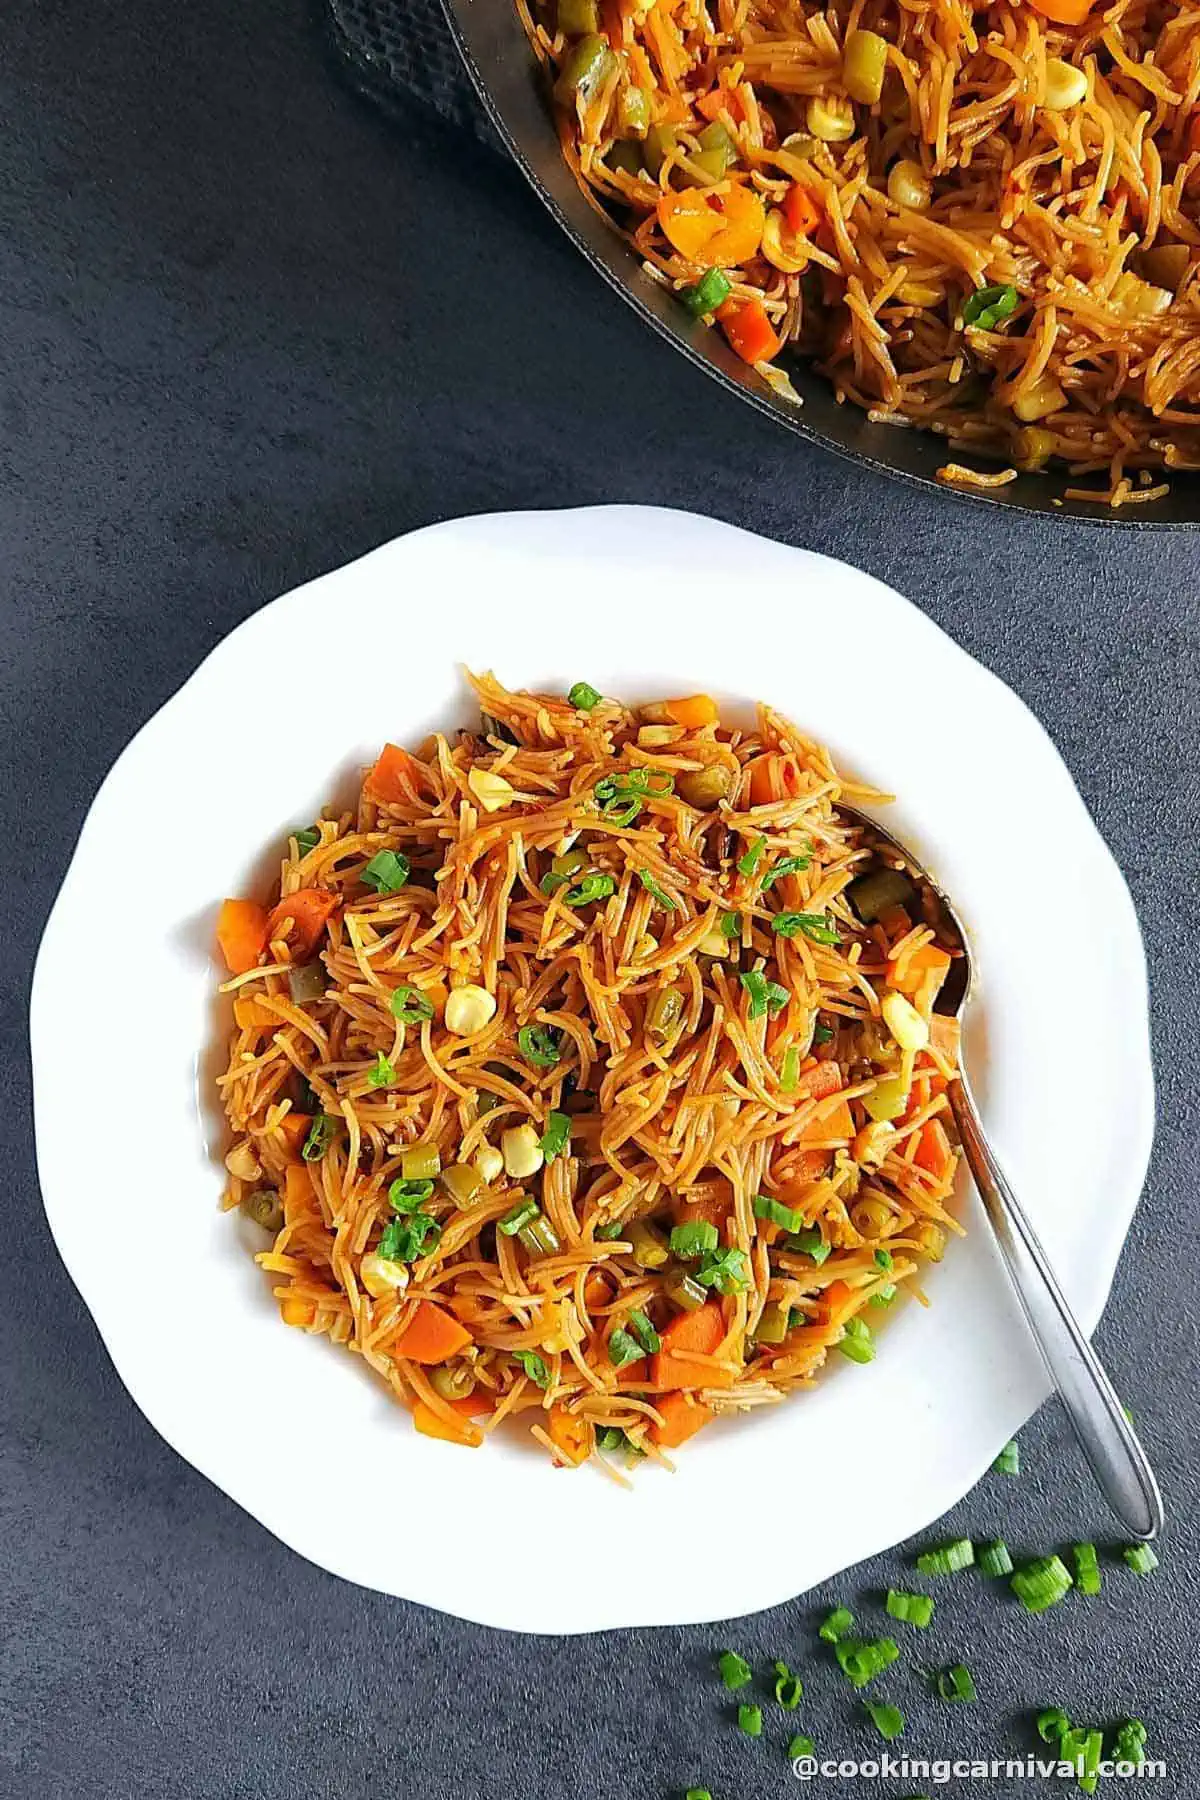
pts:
pixel 908 185
pixel 491 791
pixel 242 1162
pixel 296 1310
pixel 1065 85
pixel 830 118
pixel 468 1010
pixel 904 1022
pixel 522 1151
pixel 488 1161
pixel 781 246
pixel 381 1278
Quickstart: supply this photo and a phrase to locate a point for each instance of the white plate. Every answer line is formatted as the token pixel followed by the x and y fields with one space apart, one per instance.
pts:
pixel 641 603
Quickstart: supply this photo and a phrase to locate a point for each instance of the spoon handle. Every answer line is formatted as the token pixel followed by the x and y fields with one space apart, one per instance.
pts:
pixel 1108 1440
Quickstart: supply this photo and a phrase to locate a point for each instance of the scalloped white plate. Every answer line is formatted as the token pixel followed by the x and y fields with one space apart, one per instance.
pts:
pixel 639 602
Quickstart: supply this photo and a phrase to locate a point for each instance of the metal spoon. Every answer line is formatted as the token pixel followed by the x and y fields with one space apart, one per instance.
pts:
pixel 1108 1440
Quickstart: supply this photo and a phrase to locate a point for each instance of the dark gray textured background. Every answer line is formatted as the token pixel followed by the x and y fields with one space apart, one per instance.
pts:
pixel 249 330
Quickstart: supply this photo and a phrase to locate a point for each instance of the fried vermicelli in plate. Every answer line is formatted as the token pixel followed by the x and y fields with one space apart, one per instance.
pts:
pixel 589 1071
pixel 979 219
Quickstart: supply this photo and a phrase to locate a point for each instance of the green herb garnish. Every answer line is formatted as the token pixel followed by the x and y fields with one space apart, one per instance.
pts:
pixel 765 996
pixel 584 696
pixel 657 893
pixel 533 1366
pixel 987 306
pixel 320 1135
pixel 387 872
pixel 539 1044
pixel 383 1074
pixel 813 925
pixel 409 1005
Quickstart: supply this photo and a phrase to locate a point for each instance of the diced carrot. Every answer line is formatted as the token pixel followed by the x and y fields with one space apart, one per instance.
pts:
pixel 431 1335
pixel 432 1424
pixel 933 1150
pixel 718 100
pixel 711 1202
pixel 800 209
pixel 693 711
pixel 703 1332
pixel 252 1015
pixel 804 1169
pixel 597 1290
pixel 837 1302
pixel 299 1201
pixel 295 1127
pixel 395 777
pixel 570 1434
pixel 821 1080
pixel 682 1418
pixel 1063 12
pixel 836 1124
pixel 749 330
pixel 300 920
pixel 241 934
pixel 926 964
pixel 761 788
pixel 296 1310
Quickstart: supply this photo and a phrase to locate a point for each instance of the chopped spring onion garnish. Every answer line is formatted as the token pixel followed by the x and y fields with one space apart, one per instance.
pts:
pixel 1041 1583
pixel 641 1328
pixel 730 924
pixel 789 1689
pixel 777 1213
pixel 809 1242
pixel 814 926
pixel 409 1005
pixel 727 1272
pixel 409 1196
pixel 789 1074
pixel 987 306
pixel 734 1670
pixel 307 840
pixel 1084 1749
pixel 888 1720
pixel 787 865
pixel 836 1624
pixel 533 1366
pixel 750 1720
pixel 622 797
pixel 694 1239
pixel 711 291
pixel 1087 1568
pixel 539 1045
pixel 1051 1724
pixel 857 1343
pixel 320 1136
pixel 697 1794
pixel 387 872
pixel 613 1438
pixel 1140 1557
pixel 913 1609
pixel 822 1035
pixel 556 1136
pixel 623 1349
pixel 551 882
pixel 800 1746
pixel 883 1259
pixel 750 859
pixel 885 1295
pixel 860 1660
pixel 584 696
pixel 383 1074
pixel 519 1215
pixel 948 1559
pixel 405 1240
pixel 658 893
pixel 1009 1460
pixel 765 996
pixel 592 887
pixel 994 1558
pixel 955 1683
pixel 606 1233
pixel 1129 1744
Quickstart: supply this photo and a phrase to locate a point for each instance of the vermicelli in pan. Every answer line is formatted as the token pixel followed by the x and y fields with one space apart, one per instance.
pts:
pixel 979 219
pixel 588 1072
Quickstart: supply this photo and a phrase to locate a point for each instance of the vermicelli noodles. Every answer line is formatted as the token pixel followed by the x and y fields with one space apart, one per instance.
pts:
pixel 976 219
pixel 589 1072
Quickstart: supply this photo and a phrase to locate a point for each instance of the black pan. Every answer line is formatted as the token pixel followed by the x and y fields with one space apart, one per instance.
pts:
pixel 493 45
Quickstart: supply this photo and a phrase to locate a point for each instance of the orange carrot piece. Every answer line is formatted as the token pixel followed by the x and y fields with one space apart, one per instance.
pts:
pixel 431 1335
pixel 682 1419
pixel 800 209
pixel 432 1424
pixel 926 964
pixel 308 909
pixel 836 1124
pixel 703 1332
pixel 718 100
pixel 692 712
pixel 837 1302
pixel 804 1169
pixel 933 1150
pixel 241 934
pixel 295 1128
pixel 712 1205
pixel 394 777
pixel 296 1310
pixel 570 1434
pixel 252 1015
pixel 761 789
pixel 749 330
pixel 1063 12
pixel 597 1290
pixel 821 1080
pixel 299 1201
